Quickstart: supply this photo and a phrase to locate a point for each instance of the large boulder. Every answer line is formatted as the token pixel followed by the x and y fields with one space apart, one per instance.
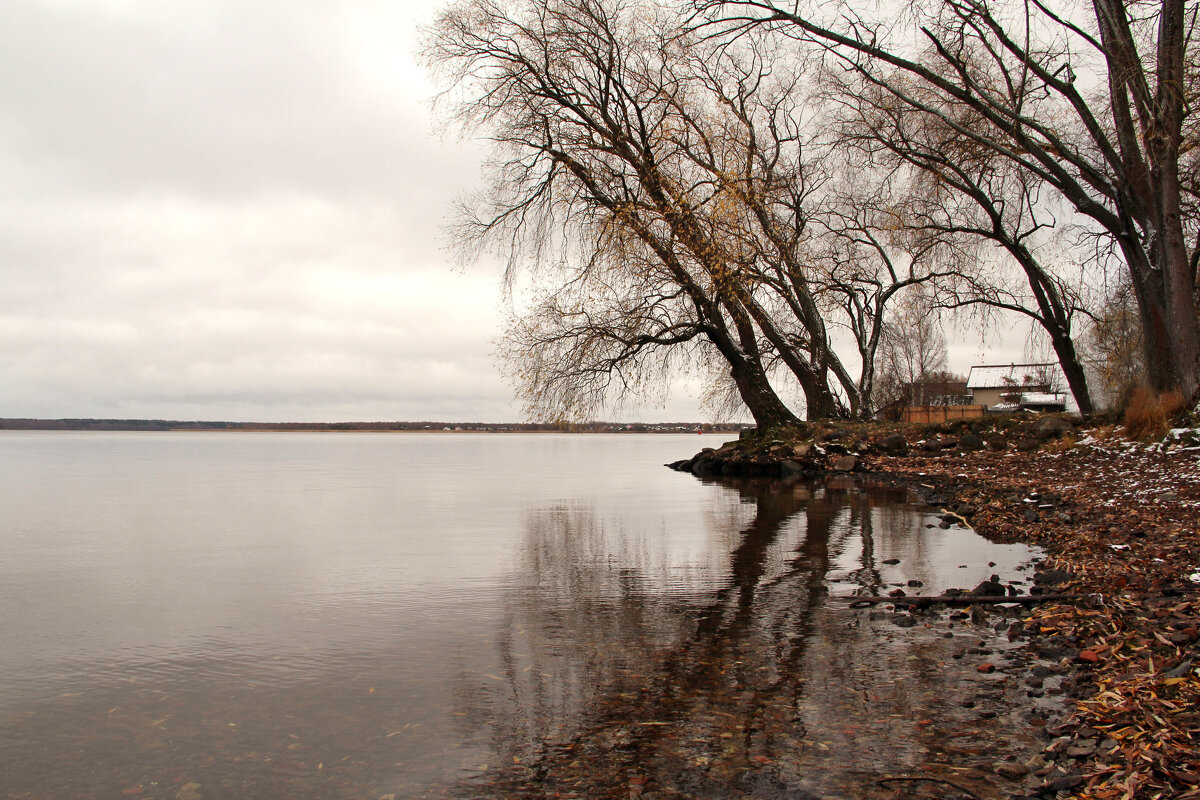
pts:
pixel 996 442
pixel 844 463
pixel 1052 577
pixel 1052 427
pixel 970 441
pixel 894 445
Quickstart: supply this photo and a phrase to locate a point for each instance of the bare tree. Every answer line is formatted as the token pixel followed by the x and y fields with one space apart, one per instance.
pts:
pixel 965 193
pixel 590 178
pixel 1113 343
pixel 1090 106
pixel 752 149
pixel 672 176
pixel 867 258
pixel 912 351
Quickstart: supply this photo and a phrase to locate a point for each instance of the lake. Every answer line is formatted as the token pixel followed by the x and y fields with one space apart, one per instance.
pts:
pixel 197 616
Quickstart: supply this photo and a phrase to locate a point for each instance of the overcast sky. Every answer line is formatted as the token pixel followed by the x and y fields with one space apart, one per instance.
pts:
pixel 231 209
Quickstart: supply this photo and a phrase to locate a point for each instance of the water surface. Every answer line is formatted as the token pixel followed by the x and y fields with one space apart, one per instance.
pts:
pixel 211 615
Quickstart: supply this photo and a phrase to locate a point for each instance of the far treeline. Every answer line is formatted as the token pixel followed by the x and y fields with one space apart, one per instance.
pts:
pixel 785 198
pixel 489 427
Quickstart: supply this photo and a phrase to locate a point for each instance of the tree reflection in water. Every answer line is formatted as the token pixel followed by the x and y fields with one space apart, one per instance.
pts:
pixel 624 676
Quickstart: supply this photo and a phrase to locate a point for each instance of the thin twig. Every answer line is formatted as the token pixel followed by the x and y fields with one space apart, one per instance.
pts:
pixel 970 599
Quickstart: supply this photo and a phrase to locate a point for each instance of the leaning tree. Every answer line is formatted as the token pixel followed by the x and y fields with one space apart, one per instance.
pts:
pixel 1087 98
pixel 591 183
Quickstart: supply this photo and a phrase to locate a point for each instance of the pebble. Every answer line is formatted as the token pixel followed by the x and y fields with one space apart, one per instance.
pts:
pixel 1082 748
pixel 1058 784
pixel 1012 771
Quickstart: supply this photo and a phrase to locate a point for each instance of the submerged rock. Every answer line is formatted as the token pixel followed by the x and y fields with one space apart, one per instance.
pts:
pixel 790 467
pixel 765 785
pixel 989 588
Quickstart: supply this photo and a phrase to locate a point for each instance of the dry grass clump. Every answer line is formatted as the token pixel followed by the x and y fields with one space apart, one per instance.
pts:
pixel 1060 445
pixel 1104 433
pixel 1148 414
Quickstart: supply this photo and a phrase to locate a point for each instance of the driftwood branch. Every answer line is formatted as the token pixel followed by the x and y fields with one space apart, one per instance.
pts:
pixel 969 600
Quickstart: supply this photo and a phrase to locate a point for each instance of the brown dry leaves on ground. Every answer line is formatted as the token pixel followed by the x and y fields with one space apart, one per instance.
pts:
pixel 1128 527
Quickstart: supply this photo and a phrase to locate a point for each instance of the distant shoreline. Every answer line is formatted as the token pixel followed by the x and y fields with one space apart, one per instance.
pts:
pixel 166 426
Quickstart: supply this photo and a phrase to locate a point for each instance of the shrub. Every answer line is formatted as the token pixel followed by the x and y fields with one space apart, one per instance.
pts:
pixel 1148 414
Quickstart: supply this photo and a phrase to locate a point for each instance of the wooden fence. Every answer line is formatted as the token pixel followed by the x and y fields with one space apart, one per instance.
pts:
pixel 927 414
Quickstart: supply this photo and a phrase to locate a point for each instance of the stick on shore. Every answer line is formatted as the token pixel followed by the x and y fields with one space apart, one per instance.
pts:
pixel 968 599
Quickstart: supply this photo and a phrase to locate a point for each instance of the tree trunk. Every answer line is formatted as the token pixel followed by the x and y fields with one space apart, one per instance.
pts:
pixel 819 400
pixel 745 365
pixel 758 395
pixel 1156 344
pixel 1149 198
pixel 1179 288
pixel 821 404
pixel 1064 348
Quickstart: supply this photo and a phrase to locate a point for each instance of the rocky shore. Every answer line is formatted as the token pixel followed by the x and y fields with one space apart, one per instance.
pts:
pixel 818 449
pixel 1108 656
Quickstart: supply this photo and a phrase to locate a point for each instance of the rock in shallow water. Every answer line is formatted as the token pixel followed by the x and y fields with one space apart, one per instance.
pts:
pixel 989 588
pixel 764 785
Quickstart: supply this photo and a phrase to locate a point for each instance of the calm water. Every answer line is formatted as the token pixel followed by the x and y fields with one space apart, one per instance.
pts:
pixel 243 615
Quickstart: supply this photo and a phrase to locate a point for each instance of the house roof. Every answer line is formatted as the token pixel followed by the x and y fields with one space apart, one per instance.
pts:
pixel 1012 376
pixel 1005 376
pixel 1043 399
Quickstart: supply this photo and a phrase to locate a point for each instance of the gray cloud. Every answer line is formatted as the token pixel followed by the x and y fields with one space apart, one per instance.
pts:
pixel 222 99
pixel 231 210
